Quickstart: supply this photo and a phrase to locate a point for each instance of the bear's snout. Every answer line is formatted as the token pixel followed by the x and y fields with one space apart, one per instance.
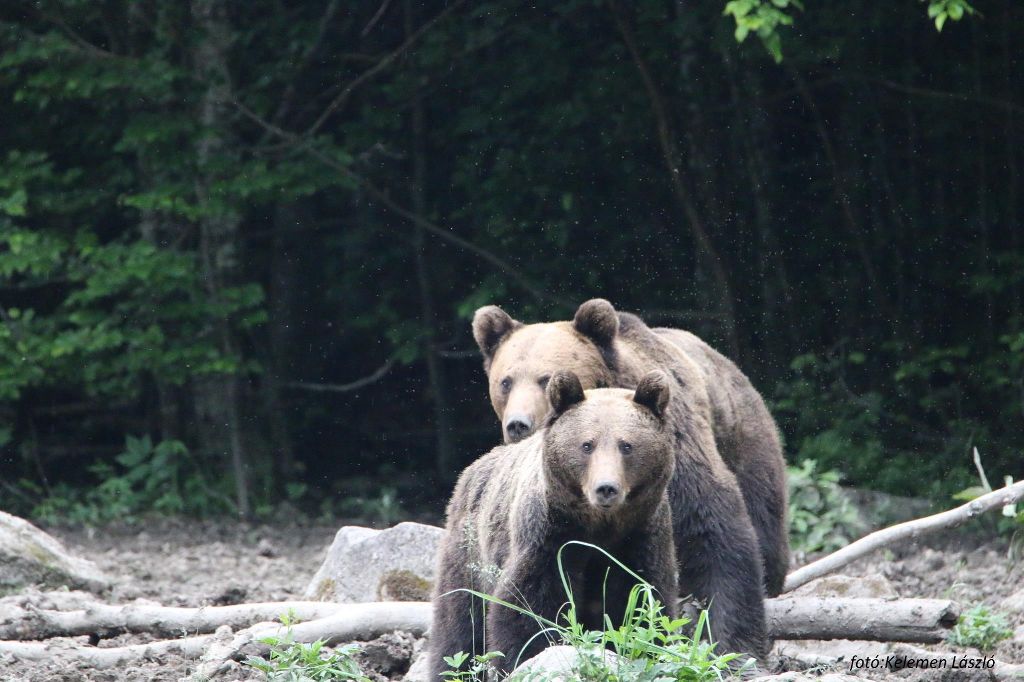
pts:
pixel 607 495
pixel 518 427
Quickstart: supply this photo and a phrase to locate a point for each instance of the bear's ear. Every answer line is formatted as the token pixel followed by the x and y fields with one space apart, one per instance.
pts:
pixel 490 325
pixel 564 390
pixel 653 392
pixel 597 320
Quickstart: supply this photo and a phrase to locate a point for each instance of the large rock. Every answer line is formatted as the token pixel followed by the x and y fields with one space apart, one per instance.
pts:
pixel 1014 603
pixel 364 565
pixel 28 556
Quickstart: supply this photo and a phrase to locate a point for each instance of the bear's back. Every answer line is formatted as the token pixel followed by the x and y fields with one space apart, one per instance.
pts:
pixel 499 502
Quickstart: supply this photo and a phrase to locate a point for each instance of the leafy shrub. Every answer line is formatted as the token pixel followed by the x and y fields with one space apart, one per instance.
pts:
pixel 1010 522
pixel 980 627
pixel 904 419
pixel 291 661
pixel 163 478
pixel 821 516
pixel 651 647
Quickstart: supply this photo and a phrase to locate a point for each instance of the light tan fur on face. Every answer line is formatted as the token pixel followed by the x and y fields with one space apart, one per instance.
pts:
pixel 528 357
pixel 605 467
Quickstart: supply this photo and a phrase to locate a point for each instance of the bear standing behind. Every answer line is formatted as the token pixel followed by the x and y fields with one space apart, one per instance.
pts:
pixel 597 473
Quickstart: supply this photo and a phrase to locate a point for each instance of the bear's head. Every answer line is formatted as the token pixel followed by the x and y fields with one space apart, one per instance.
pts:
pixel 520 359
pixel 607 448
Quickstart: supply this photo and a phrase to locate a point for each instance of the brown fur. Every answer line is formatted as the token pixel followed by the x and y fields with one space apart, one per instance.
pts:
pixel 517 505
pixel 728 494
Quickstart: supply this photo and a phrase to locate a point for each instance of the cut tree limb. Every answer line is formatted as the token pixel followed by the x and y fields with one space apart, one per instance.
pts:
pixel 881 620
pixel 351 622
pixel 903 531
pixel 26 621
pixel 903 620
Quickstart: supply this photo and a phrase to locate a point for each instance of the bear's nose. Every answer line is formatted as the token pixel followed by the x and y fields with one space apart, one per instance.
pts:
pixel 606 494
pixel 517 429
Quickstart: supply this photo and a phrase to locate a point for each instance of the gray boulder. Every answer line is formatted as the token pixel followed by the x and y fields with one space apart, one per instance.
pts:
pixel 28 556
pixel 365 565
pixel 1014 603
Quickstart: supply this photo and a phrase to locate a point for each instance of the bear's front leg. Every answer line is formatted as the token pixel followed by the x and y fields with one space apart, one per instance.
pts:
pixel 653 557
pixel 532 583
pixel 458 617
pixel 720 564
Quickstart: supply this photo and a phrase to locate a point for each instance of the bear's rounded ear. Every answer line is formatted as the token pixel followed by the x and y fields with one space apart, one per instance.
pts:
pixel 490 325
pixel 564 390
pixel 597 320
pixel 653 392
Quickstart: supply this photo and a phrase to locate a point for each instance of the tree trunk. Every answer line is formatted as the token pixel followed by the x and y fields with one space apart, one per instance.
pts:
pixel 282 302
pixel 217 398
pixel 708 258
pixel 435 369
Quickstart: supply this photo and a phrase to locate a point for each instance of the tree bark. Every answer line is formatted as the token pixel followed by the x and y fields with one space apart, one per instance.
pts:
pixel 707 256
pixel 880 620
pixel 798 617
pixel 438 391
pixel 218 238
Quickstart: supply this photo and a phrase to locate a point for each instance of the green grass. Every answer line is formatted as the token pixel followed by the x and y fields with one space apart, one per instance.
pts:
pixel 650 646
pixel 980 627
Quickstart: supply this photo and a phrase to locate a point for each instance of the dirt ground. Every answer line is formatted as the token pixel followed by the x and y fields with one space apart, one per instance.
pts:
pixel 188 563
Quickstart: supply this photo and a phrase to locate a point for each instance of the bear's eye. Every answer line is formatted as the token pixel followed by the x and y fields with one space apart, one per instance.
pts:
pixel 587 447
pixel 625 447
pixel 543 381
pixel 506 384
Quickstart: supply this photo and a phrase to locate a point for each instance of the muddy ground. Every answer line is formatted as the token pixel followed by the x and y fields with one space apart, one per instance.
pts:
pixel 189 563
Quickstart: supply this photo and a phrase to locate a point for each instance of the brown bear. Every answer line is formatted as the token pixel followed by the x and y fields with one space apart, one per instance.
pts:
pixel 596 472
pixel 717 417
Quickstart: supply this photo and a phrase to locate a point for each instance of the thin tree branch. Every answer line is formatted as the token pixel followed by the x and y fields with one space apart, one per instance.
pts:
pixel 303 145
pixel 376 375
pixel 902 531
pixel 376 17
pixel 380 66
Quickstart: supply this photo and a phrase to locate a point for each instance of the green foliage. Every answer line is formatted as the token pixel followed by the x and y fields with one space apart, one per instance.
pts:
pixel 112 320
pixel 476 670
pixel 763 18
pixel 144 479
pixel 941 10
pixel 384 508
pixel 129 310
pixel 291 661
pixel 923 411
pixel 821 516
pixel 1011 519
pixel 651 647
pixel 980 627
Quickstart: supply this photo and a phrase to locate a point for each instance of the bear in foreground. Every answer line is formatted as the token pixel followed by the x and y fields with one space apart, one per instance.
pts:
pixel 596 472
pixel 728 494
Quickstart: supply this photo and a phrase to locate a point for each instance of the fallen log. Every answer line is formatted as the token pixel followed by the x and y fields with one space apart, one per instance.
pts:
pixel 26 621
pixel 352 622
pixel 903 531
pixel 881 620
pixel 901 620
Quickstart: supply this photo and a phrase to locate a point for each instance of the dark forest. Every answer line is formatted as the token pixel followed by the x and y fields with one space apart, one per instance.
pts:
pixel 241 243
